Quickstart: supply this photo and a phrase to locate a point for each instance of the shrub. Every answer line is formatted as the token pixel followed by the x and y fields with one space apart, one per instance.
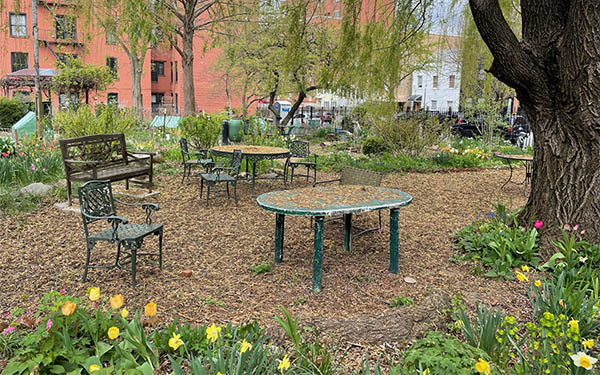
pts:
pixel 202 130
pixel 374 145
pixel 108 119
pixel 11 111
pixel 7 147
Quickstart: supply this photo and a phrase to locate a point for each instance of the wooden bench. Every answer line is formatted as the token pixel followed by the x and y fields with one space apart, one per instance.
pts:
pixel 104 157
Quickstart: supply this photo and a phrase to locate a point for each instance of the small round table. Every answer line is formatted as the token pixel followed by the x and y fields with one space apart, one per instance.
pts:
pixel 528 159
pixel 333 200
pixel 254 154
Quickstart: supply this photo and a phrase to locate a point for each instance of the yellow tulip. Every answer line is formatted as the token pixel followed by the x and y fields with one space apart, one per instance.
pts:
pixel 212 332
pixel 537 283
pixel 525 268
pixel 116 301
pixel 150 309
pixel 124 313
pixel 482 367
pixel 94 293
pixel 175 341
pixel 68 308
pixel 113 333
pixel 94 368
pixel 245 346
pixel 588 344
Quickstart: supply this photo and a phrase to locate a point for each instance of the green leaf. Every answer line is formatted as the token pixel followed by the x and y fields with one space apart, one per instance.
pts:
pixel 102 348
pixel 57 369
pixel 145 369
pixel 14 367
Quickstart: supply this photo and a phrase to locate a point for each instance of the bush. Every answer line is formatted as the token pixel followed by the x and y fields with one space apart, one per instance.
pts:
pixel 374 145
pixel 108 119
pixel 201 131
pixel 7 147
pixel 11 111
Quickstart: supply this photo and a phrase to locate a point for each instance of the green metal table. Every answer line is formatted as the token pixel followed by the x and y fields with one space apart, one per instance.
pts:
pixel 528 159
pixel 254 154
pixel 329 201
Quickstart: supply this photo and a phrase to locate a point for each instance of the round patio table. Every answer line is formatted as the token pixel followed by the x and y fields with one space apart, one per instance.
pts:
pixel 254 154
pixel 333 200
pixel 528 159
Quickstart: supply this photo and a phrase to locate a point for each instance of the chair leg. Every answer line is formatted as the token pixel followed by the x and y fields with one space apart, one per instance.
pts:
pixel 307 172
pixel 118 255
pixel 235 191
pixel 160 245
pixel 207 193
pixel 292 176
pixel 379 212
pixel 87 261
pixel 184 170
pixel 133 263
pixel 227 187
pixel 315 175
pixel 201 186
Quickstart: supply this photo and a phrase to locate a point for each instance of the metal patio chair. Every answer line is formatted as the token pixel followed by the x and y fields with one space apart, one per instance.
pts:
pixel 193 158
pixel 222 174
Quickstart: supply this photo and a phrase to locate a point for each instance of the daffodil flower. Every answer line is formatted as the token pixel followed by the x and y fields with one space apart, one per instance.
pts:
pixel 483 367
pixel 245 346
pixel 212 332
pixel 284 364
pixel 521 277
pixel 583 360
pixel 175 341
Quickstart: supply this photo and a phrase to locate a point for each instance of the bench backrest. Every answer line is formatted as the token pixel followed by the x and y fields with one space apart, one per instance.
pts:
pixel 105 149
pixel 357 176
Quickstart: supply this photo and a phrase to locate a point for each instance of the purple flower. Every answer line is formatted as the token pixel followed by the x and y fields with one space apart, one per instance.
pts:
pixel 48 324
pixel 63 292
pixel 9 330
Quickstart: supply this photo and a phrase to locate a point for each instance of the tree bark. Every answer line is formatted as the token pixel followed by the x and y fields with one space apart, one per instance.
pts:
pixel 187 62
pixel 136 84
pixel 555 70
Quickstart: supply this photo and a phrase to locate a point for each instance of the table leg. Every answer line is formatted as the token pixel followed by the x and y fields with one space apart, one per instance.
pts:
pixel 318 255
pixel 394 240
pixel 348 232
pixel 511 172
pixel 253 173
pixel 279 226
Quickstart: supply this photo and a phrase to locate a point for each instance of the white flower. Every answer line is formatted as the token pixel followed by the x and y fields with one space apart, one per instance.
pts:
pixel 583 360
pixel 582 259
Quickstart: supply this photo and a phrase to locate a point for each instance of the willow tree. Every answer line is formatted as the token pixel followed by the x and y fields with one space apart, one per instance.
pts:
pixel 555 69
pixel 78 78
pixel 130 23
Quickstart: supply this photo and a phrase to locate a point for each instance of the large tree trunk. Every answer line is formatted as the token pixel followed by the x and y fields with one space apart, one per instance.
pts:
pixel 136 85
pixel 187 62
pixel 555 70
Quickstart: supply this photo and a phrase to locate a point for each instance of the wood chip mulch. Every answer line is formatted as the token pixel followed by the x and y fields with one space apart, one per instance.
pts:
pixel 45 250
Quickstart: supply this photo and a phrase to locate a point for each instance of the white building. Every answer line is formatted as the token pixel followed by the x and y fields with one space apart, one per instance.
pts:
pixel 437 88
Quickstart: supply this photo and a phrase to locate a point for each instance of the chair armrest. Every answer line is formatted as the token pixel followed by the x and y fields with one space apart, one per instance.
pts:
pixel 110 218
pixel 131 154
pixel 148 207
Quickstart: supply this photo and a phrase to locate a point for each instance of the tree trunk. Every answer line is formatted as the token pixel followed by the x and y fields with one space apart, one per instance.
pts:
pixel 555 71
pixel 136 85
pixel 187 62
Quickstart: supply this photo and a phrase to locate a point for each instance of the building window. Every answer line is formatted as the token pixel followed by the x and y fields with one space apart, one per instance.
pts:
pixel 158 69
pixel 434 105
pixel 171 71
pixel 66 27
pixel 18 25
pixel 157 101
pixel 111 62
pixel 451 80
pixel 336 14
pixel 64 101
pixel 19 60
pixel 419 81
pixel 450 104
pixel 176 73
pixel 177 102
pixel 435 82
pixel 112 98
pixel 23 95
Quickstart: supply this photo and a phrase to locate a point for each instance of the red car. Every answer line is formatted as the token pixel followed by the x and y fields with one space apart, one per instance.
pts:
pixel 326 117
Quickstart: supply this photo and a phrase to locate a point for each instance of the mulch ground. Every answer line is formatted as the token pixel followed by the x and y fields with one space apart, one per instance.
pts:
pixel 45 250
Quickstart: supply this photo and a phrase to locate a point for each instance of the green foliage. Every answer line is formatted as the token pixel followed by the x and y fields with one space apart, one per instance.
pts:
pixel 108 119
pixel 78 78
pixel 11 111
pixel 7 147
pixel 401 301
pixel 374 145
pixel 261 268
pixel 36 161
pixel 202 130
pixel 499 242
pixel 441 354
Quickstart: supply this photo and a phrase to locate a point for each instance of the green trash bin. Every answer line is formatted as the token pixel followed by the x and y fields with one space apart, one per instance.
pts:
pixel 235 130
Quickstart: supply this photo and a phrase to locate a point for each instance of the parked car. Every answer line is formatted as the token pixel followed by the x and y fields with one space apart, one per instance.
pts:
pixel 465 128
pixel 326 117
pixel 520 128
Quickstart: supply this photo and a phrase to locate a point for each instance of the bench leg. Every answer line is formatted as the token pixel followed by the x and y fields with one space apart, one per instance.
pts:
pixel 69 199
pixel 318 254
pixel 126 184
pixel 150 182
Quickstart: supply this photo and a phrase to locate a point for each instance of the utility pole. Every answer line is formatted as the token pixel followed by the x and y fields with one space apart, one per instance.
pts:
pixel 39 131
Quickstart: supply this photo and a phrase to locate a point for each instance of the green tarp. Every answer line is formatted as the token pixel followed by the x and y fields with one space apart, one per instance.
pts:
pixel 25 126
pixel 171 122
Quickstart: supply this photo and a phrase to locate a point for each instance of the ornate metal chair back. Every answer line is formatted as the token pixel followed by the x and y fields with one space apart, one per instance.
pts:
pixel 299 149
pixel 236 161
pixel 185 153
pixel 95 199
pixel 357 176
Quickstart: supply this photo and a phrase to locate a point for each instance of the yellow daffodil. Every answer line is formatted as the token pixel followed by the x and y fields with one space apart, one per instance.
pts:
pixel 150 309
pixel 588 344
pixel 521 277
pixel 124 313
pixel 219 373
pixel 525 268
pixel 175 341
pixel 583 360
pixel 426 372
pixel 574 324
pixel 483 367
pixel 212 332
pixel 116 301
pixel 245 346
pixel 284 364
pixel 94 293
pixel 113 333
pixel 94 368
pixel 68 308
pixel 537 283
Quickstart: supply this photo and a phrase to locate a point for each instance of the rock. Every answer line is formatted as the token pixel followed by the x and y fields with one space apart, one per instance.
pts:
pixel 186 273
pixel 410 280
pixel 61 183
pixel 37 188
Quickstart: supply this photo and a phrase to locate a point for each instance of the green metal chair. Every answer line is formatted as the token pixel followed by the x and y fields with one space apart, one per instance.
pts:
pixel 217 175
pixel 193 158
pixel 356 176
pixel 97 203
pixel 300 156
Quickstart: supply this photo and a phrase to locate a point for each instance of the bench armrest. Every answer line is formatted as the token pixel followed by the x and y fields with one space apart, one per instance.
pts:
pixel 148 207
pixel 130 153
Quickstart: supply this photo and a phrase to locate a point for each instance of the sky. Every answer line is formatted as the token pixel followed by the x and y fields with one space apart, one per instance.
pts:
pixel 445 18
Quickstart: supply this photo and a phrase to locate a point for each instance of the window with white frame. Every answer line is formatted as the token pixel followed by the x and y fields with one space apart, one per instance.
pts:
pixel 451 81
pixel 419 81
pixel 18 25
pixel 435 82
pixel 434 105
